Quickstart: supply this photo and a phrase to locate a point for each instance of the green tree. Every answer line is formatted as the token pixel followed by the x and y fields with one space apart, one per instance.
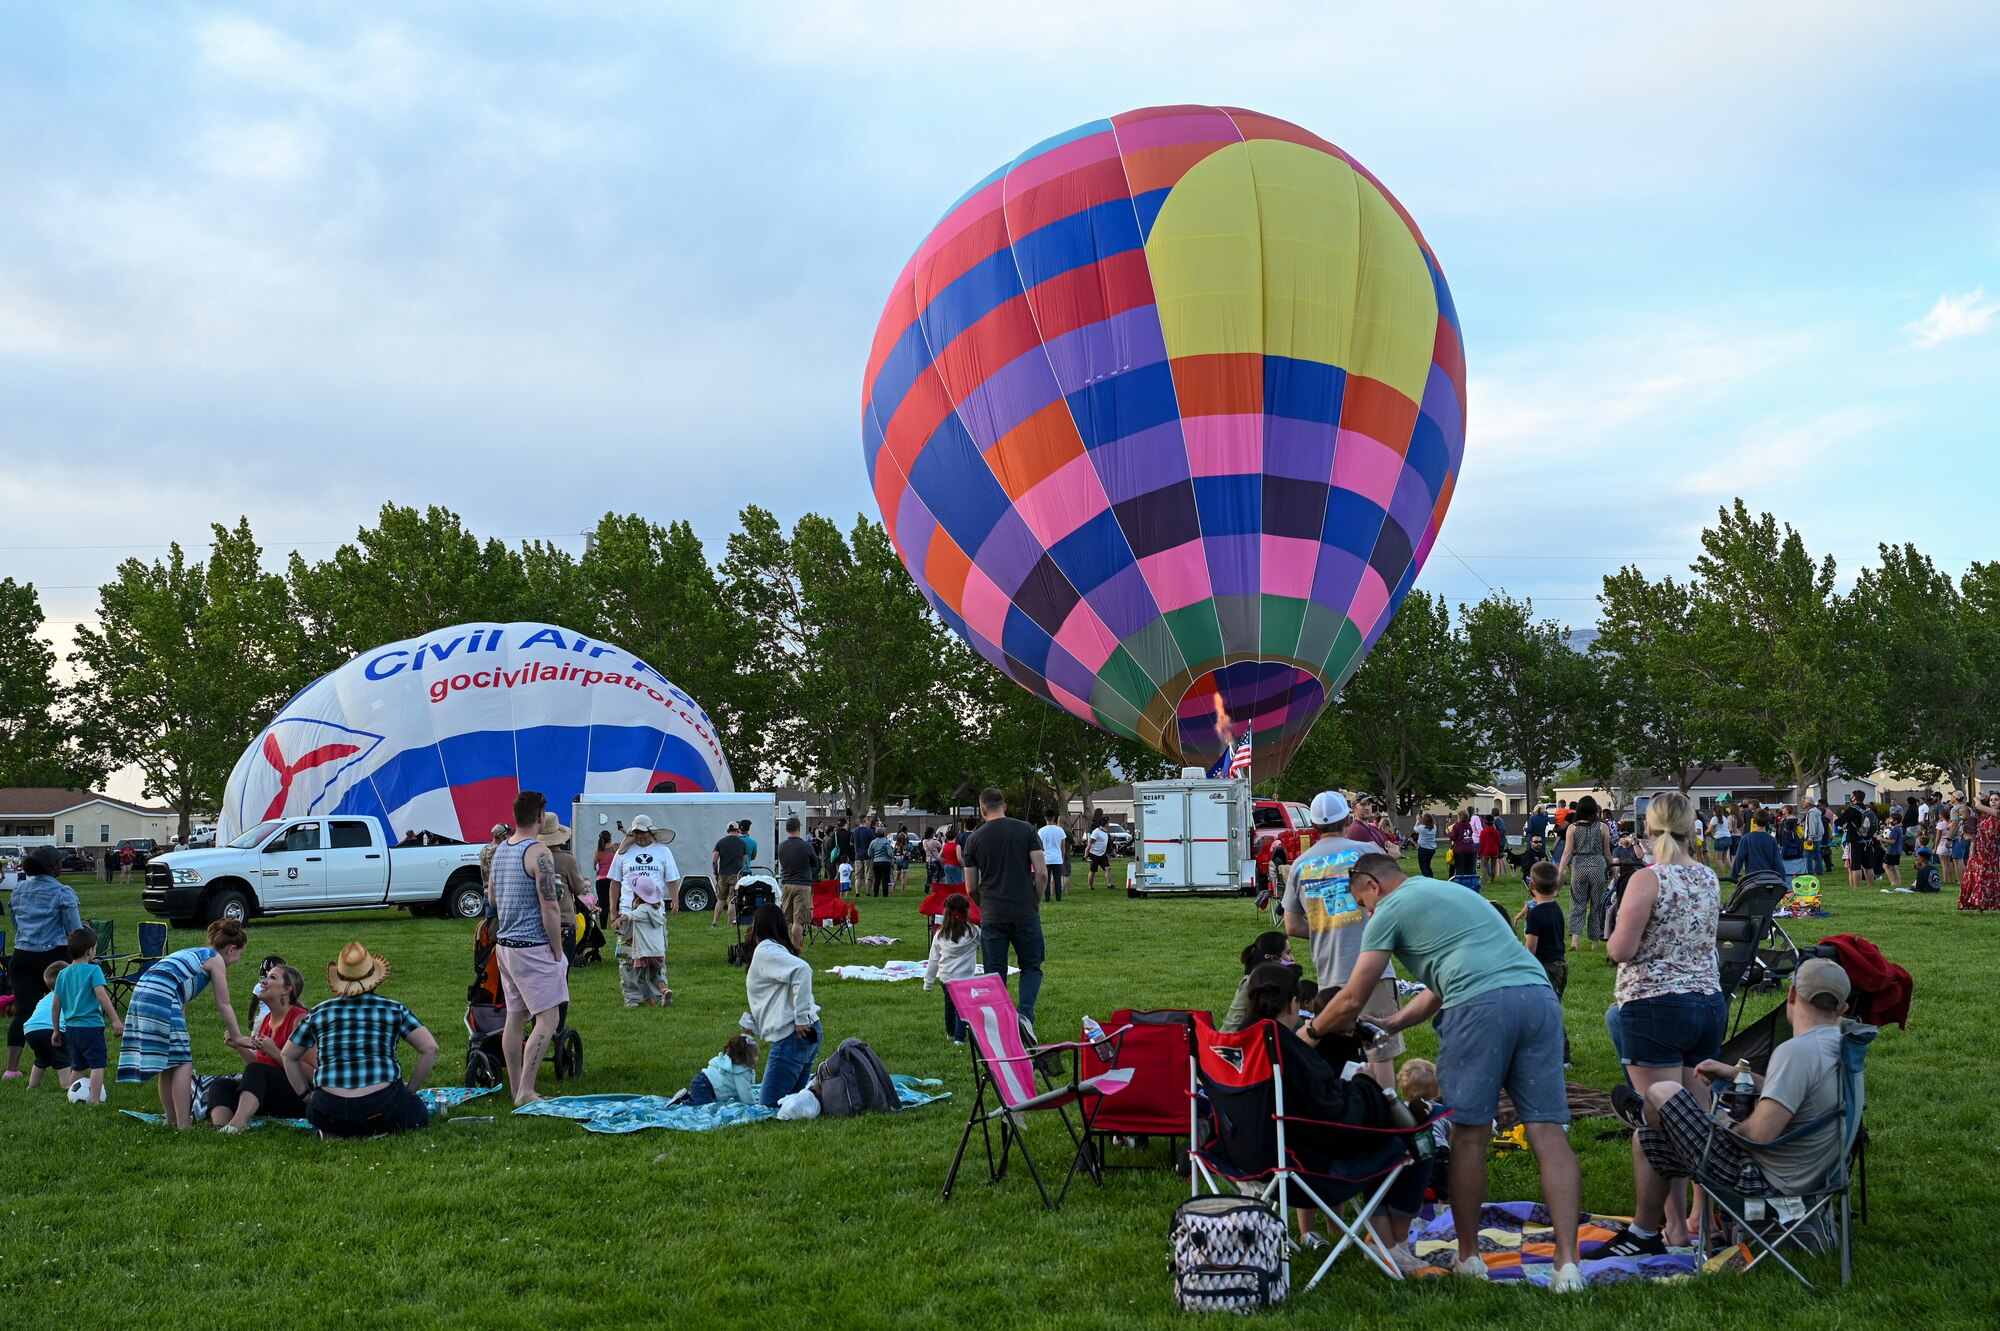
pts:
pixel 1947 647
pixel 1529 695
pixel 1656 720
pixel 1785 663
pixel 185 665
pixel 39 744
pixel 865 679
pixel 1395 729
pixel 410 573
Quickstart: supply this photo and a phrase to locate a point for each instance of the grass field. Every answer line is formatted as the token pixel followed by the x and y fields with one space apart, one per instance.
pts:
pixel 532 1222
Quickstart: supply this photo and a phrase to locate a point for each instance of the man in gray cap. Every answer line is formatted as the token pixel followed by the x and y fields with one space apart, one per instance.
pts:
pixel 1320 906
pixel 1802 1086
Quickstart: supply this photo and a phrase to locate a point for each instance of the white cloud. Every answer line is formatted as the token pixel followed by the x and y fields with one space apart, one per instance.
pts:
pixel 271 151
pixel 1774 455
pixel 1966 315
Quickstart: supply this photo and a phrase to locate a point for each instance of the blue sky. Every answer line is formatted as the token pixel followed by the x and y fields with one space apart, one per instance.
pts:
pixel 534 262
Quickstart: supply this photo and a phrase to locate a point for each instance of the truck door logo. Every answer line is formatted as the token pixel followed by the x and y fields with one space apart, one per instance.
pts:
pixel 292 871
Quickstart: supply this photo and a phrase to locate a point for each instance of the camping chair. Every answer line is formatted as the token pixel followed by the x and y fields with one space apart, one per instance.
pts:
pixel 131 965
pixel 1839 1182
pixel 1240 1075
pixel 833 916
pixel 1154 1104
pixel 1003 1071
pixel 932 907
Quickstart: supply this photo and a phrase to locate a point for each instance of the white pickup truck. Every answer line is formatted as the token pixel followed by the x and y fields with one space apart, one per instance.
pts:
pixel 341 862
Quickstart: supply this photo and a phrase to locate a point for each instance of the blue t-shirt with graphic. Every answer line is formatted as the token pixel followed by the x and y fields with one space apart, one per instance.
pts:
pixel 1318 890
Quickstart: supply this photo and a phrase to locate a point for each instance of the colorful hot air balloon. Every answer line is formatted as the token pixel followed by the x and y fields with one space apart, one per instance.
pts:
pixel 439 733
pixel 1163 418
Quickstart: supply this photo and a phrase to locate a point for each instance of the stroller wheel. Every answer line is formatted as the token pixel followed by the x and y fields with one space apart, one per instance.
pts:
pixel 568 1055
pixel 480 1071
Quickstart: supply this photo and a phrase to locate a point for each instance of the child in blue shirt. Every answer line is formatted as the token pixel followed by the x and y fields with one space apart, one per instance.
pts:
pixel 79 1021
pixel 40 1030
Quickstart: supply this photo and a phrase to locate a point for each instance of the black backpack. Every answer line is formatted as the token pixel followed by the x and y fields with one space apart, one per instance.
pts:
pixel 854 1081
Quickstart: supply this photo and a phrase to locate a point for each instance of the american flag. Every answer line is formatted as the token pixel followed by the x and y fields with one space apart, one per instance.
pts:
pixel 1239 761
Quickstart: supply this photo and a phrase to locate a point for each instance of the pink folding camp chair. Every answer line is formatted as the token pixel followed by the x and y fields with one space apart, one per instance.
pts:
pixel 1004 1064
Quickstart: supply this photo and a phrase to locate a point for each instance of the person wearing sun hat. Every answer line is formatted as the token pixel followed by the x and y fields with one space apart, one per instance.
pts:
pixel 358 1089
pixel 570 880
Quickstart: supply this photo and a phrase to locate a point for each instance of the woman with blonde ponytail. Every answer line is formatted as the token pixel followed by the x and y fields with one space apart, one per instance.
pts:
pixel 1670 1005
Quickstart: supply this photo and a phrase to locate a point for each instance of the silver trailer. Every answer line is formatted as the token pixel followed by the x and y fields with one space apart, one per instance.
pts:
pixel 1191 836
pixel 697 820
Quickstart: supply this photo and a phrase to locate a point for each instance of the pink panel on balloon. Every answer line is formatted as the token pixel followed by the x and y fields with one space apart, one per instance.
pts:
pixel 1067 498
pixel 1289 563
pixel 1084 636
pixel 1370 599
pixel 1366 467
pixel 1072 704
pixel 1226 445
pixel 1178 576
pixel 985 606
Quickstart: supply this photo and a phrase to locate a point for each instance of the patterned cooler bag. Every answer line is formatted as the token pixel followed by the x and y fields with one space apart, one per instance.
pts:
pixel 1227 1255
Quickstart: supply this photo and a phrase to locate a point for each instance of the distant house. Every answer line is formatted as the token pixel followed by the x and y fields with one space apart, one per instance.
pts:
pixel 84 819
pixel 1114 802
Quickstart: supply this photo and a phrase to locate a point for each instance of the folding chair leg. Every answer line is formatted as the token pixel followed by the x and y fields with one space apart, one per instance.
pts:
pixel 1028 1157
pixel 1086 1154
pixel 978 1104
pixel 1846 1240
pixel 1357 1233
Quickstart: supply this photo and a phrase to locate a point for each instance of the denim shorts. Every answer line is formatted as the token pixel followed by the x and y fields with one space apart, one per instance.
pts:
pixel 1509 1039
pixel 87 1051
pixel 1672 1030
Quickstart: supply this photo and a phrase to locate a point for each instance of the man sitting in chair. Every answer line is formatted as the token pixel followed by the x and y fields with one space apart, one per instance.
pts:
pixel 1803 1085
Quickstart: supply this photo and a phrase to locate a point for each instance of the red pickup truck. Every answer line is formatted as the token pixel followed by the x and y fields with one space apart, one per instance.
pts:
pixel 1283 830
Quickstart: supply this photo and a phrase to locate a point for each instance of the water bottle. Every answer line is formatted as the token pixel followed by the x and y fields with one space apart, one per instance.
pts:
pixel 1095 1034
pixel 1742 1092
pixel 1422 1145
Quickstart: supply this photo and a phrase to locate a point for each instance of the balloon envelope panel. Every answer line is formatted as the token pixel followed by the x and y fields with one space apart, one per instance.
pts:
pixel 1163 417
pixel 439 733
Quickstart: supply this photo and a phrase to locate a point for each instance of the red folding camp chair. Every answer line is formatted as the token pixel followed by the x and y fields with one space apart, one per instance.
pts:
pixel 1003 1070
pixel 932 907
pixel 1154 1051
pixel 833 916
pixel 1236 1080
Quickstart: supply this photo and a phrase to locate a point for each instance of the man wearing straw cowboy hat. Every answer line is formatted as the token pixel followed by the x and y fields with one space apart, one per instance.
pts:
pixel 527 908
pixel 358 1089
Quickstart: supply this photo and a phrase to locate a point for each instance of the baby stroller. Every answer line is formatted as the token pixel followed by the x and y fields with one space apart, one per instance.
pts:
pixel 753 889
pixel 486 1019
pixel 588 949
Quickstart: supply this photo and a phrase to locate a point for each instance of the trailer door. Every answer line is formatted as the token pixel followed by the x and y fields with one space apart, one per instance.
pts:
pixel 1211 850
pixel 1163 822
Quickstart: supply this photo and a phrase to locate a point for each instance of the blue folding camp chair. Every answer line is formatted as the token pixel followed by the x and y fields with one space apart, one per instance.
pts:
pixel 1834 1196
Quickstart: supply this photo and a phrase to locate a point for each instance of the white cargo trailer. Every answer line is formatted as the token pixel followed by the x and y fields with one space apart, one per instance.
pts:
pixel 1191 836
pixel 697 820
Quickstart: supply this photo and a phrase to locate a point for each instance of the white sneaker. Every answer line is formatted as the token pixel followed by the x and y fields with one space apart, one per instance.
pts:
pixel 1406 1259
pixel 1471 1267
pixel 1568 1279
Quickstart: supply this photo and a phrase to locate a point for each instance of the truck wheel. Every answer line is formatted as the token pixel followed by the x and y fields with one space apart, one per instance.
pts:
pixel 229 905
pixel 698 897
pixel 466 901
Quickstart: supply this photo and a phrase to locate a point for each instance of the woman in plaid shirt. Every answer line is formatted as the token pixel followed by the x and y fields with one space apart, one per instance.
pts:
pixel 359 1089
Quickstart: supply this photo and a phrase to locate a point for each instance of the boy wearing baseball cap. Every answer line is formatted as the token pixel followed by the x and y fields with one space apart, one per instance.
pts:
pixel 1320 906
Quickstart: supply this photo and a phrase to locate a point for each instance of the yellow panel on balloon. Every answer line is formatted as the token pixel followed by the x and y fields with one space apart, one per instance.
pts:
pixel 1280 248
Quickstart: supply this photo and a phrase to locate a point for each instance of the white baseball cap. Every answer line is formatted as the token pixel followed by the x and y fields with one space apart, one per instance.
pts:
pixel 1329 807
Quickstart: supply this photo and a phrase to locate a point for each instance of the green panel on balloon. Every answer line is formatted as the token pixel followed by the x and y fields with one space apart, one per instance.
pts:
pixel 1195 629
pixel 1346 653
pixel 1123 674
pixel 1280 620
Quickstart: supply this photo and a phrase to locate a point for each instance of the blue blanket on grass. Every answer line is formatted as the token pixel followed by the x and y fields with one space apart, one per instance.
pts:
pixel 436 1098
pixel 635 1113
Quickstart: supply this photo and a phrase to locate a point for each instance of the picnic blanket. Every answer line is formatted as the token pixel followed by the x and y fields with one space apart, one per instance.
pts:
pixel 890 971
pixel 877 940
pixel 1517 1243
pixel 635 1113
pixel 437 1099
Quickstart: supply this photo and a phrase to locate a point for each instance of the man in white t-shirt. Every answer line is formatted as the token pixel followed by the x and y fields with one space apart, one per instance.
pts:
pixel 1055 855
pixel 647 856
pixel 1097 850
pixel 1320 905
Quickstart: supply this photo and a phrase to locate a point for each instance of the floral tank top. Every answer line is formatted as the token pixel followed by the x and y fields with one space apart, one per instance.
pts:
pixel 1677 950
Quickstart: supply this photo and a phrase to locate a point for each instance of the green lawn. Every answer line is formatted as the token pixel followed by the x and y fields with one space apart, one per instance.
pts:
pixel 532 1222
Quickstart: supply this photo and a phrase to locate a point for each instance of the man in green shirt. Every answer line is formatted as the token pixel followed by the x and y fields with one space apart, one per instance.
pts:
pixel 1499 1025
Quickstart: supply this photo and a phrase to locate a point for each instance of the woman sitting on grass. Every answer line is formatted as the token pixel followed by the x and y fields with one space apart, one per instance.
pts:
pixel 263 1088
pixel 781 1001
pixel 358 1089
pixel 1270 948
pixel 156 1035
